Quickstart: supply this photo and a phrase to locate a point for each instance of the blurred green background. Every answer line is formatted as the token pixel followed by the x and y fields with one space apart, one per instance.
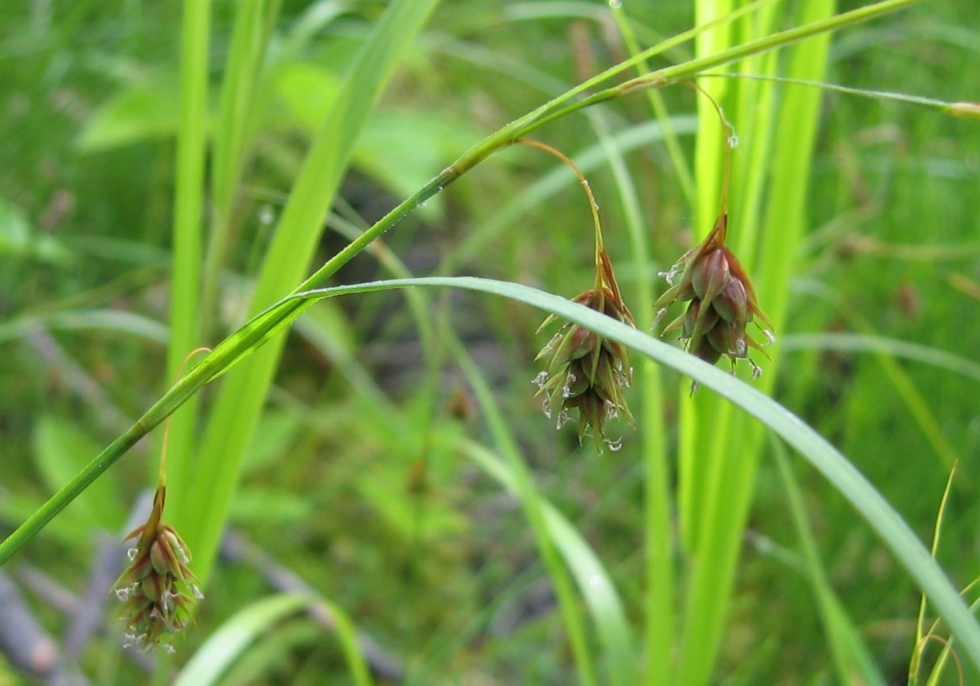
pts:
pixel 420 548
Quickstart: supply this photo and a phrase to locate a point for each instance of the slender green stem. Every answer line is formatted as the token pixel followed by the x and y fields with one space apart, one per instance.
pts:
pixel 691 68
pixel 905 98
pixel 920 621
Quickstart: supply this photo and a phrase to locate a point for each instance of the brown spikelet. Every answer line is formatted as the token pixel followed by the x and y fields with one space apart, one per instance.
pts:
pixel 157 588
pixel 722 302
pixel 586 371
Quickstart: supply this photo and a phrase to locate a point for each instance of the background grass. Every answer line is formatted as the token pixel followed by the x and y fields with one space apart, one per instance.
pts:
pixel 354 477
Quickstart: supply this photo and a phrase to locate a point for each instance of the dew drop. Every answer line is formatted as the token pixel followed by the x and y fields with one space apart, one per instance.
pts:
pixel 614 446
pixel 615 4
pixel 131 554
pixel 267 215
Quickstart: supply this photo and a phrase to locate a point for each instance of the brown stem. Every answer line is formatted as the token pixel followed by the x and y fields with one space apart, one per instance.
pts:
pixel 725 128
pixel 593 205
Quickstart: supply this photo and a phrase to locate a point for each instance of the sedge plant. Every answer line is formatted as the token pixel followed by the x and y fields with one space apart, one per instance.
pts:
pixel 591 354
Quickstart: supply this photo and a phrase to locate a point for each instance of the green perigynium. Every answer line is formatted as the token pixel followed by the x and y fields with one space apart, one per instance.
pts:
pixel 157 587
pixel 722 302
pixel 588 372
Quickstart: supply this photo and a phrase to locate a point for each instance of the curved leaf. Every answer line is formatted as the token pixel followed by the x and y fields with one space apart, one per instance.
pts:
pixel 236 635
pixel 866 500
pixel 590 574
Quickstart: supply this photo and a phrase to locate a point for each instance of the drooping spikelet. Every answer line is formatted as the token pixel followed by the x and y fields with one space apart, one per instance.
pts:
pixel 722 302
pixel 588 372
pixel 157 587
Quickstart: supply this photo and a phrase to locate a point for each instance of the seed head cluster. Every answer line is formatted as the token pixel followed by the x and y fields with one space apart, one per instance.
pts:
pixel 588 372
pixel 157 588
pixel 722 302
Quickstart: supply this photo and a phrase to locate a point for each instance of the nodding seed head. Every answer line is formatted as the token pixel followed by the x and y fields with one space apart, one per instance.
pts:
pixel 157 588
pixel 588 372
pixel 722 302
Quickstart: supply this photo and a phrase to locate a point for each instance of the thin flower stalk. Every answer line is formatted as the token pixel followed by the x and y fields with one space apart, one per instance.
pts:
pixel 587 372
pixel 157 588
pixel 722 299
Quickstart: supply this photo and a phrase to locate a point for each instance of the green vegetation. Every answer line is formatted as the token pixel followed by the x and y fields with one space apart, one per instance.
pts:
pixel 326 195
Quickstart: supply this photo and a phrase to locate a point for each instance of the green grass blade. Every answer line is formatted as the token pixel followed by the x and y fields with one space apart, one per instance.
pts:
pixel 590 574
pixel 534 509
pixel 116 321
pixel 230 139
pixel 235 637
pixel 202 505
pixel 850 654
pixel 920 620
pixel 188 210
pixel 865 343
pixel 347 634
